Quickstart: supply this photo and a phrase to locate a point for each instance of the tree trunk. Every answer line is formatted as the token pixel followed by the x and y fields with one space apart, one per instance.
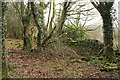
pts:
pixel 104 9
pixel 49 37
pixel 63 17
pixel 4 64
pixel 108 35
pixel 52 18
pixel 39 38
pixel 25 17
pixel 62 21
pixel 26 39
pixel 36 22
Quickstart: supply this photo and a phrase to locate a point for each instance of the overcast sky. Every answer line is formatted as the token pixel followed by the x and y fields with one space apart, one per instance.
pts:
pixel 97 18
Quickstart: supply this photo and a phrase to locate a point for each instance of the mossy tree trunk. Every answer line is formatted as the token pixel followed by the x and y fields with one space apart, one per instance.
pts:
pixel 4 64
pixel 108 34
pixel 24 15
pixel 37 24
pixel 39 38
pixel 26 39
pixel 63 17
pixel 104 8
pixel 41 25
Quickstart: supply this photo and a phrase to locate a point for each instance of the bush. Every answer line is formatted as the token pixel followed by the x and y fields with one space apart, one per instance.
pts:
pixel 74 33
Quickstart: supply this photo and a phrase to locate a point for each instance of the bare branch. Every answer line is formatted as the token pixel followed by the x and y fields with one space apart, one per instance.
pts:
pixel 96 5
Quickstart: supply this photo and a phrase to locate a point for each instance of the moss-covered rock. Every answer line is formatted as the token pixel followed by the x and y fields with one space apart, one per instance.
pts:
pixel 109 68
pixel 89 44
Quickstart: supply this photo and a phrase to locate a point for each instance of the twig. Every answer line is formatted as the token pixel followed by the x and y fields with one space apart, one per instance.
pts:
pixel 104 48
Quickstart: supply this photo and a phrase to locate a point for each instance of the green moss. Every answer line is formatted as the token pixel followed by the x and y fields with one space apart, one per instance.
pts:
pixel 98 58
pixel 76 60
pixel 88 57
pixel 109 68
pixel 108 64
pixel 57 68
pixel 101 58
pixel 5 73
pixel 95 63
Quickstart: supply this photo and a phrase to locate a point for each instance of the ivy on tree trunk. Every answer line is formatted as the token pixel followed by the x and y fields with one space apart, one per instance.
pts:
pixel 26 39
pixel 4 64
pixel 104 8
pixel 108 34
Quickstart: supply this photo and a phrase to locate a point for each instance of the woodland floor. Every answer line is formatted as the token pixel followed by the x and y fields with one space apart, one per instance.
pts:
pixel 26 64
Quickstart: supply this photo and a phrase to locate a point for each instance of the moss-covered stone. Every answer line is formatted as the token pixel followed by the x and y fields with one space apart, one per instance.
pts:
pixel 109 68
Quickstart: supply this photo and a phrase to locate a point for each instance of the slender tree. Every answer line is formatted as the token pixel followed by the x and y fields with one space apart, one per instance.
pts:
pixel 104 8
pixel 41 42
pixel 37 24
pixel 52 18
pixel 49 16
pixel 24 15
pixel 63 17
